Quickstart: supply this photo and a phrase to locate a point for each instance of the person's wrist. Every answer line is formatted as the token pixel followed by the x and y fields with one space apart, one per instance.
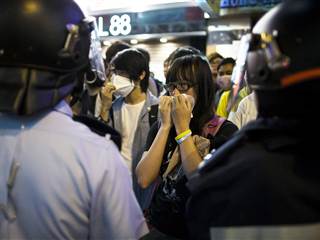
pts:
pixel 183 136
pixel 181 129
pixel 106 101
pixel 106 104
pixel 165 127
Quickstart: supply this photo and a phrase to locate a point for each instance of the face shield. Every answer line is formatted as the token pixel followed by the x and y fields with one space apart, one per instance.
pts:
pixel 239 70
pixel 95 75
pixel 264 59
pixel 268 47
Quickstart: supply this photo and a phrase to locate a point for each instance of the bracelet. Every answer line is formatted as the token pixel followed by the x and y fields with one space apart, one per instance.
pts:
pixel 183 135
pixel 179 141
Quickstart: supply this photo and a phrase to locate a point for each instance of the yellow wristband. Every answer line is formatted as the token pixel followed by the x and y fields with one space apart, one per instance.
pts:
pixel 183 138
pixel 181 135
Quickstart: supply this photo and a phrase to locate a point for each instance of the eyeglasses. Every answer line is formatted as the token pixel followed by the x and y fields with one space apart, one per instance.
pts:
pixel 181 86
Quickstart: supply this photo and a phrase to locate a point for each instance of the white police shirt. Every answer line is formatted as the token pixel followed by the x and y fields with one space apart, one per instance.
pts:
pixel 58 180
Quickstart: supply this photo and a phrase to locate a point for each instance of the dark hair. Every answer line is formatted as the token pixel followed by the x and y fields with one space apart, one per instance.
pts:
pixel 145 53
pixel 195 69
pixel 180 52
pixel 113 49
pixel 225 61
pixel 213 56
pixel 133 63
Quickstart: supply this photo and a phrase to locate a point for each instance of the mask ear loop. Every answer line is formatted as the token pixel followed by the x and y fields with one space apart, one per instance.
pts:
pixel 136 84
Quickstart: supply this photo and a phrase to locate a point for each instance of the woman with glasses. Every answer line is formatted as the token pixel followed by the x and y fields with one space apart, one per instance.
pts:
pixel 188 129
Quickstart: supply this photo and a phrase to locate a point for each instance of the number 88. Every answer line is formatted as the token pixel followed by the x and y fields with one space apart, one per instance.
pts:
pixel 120 25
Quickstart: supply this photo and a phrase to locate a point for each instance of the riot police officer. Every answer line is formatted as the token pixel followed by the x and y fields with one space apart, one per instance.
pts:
pixel 266 178
pixel 58 180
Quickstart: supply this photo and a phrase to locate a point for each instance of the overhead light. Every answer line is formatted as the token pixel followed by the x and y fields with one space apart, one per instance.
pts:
pixel 163 40
pixel 206 15
pixel 134 41
pixel 144 36
pixel 31 7
pixel 212 28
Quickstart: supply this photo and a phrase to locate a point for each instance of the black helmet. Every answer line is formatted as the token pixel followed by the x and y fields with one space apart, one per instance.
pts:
pixel 283 62
pixel 44 44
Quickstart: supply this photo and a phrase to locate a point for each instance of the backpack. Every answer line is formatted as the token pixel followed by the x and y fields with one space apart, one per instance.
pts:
pixel 213 126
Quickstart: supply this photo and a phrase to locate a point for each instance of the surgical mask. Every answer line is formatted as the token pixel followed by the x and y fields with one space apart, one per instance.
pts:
pixel 224 82
pixel 124 86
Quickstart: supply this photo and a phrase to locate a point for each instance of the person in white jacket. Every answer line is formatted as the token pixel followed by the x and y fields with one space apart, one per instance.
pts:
pixel 246 111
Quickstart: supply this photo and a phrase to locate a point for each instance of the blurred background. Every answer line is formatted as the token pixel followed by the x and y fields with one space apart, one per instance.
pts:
pixel 160 26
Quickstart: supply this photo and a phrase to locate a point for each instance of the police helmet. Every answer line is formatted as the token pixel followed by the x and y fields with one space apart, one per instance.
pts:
pixel 283 59
pixel 44 48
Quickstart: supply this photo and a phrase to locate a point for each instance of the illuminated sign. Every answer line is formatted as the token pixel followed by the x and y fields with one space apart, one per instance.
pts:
pixel 247 3
pixel 173 20
pixel 119 25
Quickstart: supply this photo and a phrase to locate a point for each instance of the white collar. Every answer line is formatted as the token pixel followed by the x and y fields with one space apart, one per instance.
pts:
pixel 64 108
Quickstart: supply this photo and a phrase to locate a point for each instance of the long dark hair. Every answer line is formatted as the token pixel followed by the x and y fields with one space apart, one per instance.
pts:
pixel 195 70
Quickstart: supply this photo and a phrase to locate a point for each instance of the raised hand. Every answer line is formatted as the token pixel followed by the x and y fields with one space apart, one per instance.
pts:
pixel 165 111
pixel 181 112
pixel 106 95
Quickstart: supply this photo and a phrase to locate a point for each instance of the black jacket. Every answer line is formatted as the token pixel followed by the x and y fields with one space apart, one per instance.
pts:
pixel 268 174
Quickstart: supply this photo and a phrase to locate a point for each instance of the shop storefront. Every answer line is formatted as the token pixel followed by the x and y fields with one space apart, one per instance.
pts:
pixel 230 20
pixel 160 27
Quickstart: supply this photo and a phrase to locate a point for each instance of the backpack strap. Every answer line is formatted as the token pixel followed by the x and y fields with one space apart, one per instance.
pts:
pixel 153 114
pixel 159 86
pixel 212 127
pixel 99 128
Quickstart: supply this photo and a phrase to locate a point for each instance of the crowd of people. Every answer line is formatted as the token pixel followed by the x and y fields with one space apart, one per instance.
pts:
pixel 95 147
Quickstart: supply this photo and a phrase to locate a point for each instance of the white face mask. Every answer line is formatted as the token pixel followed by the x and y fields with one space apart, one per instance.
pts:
pixel 123 85
pixel 224 82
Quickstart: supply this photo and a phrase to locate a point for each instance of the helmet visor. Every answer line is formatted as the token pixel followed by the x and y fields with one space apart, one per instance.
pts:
pixel 95 55
pixel 238 73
